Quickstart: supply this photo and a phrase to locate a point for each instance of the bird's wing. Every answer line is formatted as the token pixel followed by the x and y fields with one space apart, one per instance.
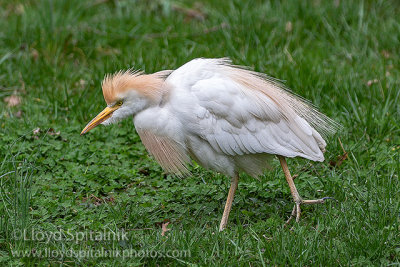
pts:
pixel 240 112
pixel 163 138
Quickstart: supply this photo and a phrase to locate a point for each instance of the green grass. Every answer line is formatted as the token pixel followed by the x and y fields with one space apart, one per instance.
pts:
pixel 54 54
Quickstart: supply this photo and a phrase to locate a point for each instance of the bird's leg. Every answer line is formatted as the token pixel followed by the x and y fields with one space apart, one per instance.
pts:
pixel 229 200
pixel 296 197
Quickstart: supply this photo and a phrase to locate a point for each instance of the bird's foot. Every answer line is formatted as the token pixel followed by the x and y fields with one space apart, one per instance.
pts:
pixel 296 212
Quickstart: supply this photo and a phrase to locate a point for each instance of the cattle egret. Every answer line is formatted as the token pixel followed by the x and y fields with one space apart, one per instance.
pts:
pixel 225 117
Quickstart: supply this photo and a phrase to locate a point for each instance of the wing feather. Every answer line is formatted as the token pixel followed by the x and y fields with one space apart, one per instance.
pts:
pixel 241 112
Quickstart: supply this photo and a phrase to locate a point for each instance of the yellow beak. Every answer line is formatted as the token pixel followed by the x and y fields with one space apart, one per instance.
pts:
pixel 105 114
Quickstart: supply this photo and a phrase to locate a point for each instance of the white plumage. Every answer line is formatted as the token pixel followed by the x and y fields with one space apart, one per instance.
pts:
pixel 224 124
pixel 225 117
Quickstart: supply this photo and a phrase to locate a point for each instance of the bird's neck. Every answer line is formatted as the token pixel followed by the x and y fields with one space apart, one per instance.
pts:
pixel 151 86
pixel 149 91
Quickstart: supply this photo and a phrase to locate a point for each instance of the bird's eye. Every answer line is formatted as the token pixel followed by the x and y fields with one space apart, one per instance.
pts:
pixel 119 103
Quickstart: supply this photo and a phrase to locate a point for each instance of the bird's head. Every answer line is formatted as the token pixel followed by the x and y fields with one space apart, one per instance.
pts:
pixel 127 93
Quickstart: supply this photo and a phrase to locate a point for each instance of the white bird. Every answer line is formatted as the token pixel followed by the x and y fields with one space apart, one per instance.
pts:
pixel 225 117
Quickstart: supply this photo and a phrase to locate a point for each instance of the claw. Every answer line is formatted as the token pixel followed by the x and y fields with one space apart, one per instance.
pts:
pixel 292 215
pixel 296 212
